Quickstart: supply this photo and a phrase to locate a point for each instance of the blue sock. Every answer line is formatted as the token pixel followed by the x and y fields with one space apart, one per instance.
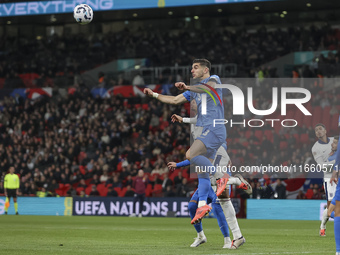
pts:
pixel 203 187
pixel 337 233
pixel 203 178
pixel 192 210
pixel 222 223
pixel 332 215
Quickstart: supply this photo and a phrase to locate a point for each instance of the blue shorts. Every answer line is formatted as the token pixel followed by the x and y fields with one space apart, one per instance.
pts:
pixel 212 138
pixel 211 196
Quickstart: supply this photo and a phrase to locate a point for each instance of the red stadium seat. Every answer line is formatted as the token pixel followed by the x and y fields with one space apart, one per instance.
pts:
pixel 79 190
pixel 157 193
pixel 186 175
pixel 102 190
pixel 148 190
pixel 82 170
pixel 88 189
pixel 119 166
pixel 66 188
pixel 154 177
pixel 309 194
pixel 81 156
pixel 157 187
pixel 122 192
pixel 87 181
pixel 174 173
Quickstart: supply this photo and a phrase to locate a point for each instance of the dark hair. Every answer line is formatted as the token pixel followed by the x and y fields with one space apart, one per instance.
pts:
pixel 203 62
pixel 320 125
pixel 336 137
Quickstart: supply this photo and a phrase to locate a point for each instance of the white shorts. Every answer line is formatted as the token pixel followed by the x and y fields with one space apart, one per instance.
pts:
pixel 222 160
pixel 329 189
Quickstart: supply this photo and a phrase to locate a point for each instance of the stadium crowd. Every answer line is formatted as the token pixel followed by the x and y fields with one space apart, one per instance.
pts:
pixel 64 146
pixel 56 56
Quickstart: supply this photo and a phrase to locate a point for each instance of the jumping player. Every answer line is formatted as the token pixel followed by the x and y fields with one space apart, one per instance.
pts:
pixel 203 150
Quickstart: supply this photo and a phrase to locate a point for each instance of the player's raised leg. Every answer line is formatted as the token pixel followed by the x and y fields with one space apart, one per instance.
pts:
pixel 195 155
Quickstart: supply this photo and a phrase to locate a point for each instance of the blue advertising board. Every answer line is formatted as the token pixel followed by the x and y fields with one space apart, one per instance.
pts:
pixel 40 206
pixel 120 206
pixel 285 209
pixel 66 6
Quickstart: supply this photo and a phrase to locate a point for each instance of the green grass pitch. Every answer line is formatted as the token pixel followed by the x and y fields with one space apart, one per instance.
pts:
pixel 123 235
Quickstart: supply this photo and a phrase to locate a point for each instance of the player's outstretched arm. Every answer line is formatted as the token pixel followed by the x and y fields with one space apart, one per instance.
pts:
pixel 180 119
pixel 176 118
pixel 179 99
pixel 197 88
pixel 173 165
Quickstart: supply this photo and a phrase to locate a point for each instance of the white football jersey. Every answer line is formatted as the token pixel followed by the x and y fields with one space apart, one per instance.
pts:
pixel 321 153
pixel 196 131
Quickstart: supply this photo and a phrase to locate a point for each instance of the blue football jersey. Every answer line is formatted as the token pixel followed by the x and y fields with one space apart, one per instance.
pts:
pixel 213 111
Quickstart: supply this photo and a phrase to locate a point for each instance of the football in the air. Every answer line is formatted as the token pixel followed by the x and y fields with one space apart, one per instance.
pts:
pixel 83 14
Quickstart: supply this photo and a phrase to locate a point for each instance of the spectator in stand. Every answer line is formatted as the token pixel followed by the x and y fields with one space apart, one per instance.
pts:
pixel 178 179
pixel 316 194
pixel 128 181
pixel 116 183
pixel 166 182
pixel 139 186
pixel 138 80
pixel 280 190
pixel 124 173
pixel 129 192
pixel 94 192
pixel 26 189
pixel 104 177
pixel 183 189
pixel 169 192
pixel 301 195
pixel 111 192
pixel 53 186
pixel 95 180
pixel 147 166
pixel 257 190
pixel 83 194
pixel 82 184
pixel 310 192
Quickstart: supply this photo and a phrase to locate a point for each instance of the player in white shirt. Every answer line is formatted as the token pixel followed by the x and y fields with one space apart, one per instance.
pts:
pixel 321 151
pixel 222 159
